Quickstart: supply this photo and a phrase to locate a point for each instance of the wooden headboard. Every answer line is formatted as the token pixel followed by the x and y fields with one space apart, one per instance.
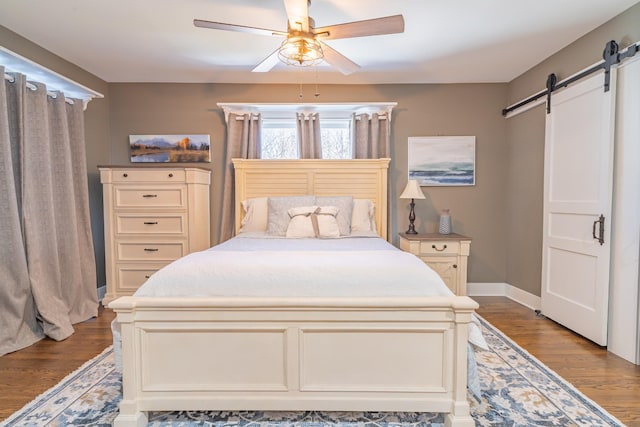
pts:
pixel 361 178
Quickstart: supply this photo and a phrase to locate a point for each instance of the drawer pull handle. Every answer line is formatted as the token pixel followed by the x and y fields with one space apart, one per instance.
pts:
pixel 125 175
pixel 151 249
pixel 170 175
pixel 151 223
pixel 149 195
pixel 439 250
pixel 146 276
pixel 455 265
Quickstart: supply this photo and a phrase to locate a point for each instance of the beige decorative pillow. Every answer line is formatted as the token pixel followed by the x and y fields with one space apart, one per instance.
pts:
pixel 345 206
pixel 278 216
pixel 363 217
pixel 313 221
pixel 255 215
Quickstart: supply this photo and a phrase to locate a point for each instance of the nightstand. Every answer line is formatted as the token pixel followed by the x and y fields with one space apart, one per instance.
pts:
pixel 445 253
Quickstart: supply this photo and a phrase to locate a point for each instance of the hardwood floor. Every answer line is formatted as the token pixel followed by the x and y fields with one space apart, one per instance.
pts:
pixel 609 380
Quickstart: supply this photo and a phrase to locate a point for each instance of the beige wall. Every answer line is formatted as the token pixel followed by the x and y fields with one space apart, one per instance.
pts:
pixel 423 110
pixel 524 196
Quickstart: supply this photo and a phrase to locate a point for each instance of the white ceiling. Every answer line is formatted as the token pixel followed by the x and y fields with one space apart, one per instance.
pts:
pixel 445 41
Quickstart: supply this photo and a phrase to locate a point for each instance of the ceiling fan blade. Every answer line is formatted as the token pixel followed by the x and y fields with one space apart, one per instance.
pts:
pixel 338 60
pixel 298 14
pixel 370 27
pixel 268 63
pixel 239 28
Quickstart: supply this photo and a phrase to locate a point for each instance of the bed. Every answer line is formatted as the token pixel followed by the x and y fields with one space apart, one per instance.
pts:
pixel 302 342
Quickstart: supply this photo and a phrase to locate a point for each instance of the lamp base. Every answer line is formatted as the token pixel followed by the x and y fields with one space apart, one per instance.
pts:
pixel 412 217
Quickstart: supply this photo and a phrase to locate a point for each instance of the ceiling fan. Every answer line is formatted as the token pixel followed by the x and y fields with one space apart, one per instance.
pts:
pixel 304 43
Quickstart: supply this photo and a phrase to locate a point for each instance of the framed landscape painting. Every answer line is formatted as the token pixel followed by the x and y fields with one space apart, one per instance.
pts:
pixel 170 148
pixel 442 160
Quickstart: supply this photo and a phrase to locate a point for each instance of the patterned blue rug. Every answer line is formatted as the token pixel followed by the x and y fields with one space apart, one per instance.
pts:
pixel 517 390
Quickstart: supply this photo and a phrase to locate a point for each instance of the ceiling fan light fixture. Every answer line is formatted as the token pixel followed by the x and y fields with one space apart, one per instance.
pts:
pixel 300 51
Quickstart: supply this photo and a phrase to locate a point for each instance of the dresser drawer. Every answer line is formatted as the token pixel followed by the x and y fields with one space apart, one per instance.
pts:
pixel 131 277
pixel 150 251
pixel 174 224
pixel 444 247
pixel 139 197
pixel 149 175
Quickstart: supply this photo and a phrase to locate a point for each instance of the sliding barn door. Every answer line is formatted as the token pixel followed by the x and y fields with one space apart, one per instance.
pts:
pixel 577 207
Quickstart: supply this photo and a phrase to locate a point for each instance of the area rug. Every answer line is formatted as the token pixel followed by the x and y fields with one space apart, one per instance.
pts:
pixel 517 390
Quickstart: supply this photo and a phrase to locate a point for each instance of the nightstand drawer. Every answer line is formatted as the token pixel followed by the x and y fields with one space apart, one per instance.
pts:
pixel 150 251
pixel 173 224
pixel 136 197
pixel 444 247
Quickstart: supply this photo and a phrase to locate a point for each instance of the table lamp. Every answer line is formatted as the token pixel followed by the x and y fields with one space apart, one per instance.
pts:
pixel 412 191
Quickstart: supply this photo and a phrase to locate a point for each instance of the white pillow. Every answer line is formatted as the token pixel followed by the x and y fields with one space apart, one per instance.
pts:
pixel 363 216
pixel 345 206
pixel 278 215
pixel 301 223
pixel 255 215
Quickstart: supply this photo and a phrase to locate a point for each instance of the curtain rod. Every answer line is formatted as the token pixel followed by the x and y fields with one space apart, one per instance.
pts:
pixel 14 62
pixel 31 86
pixel 611 57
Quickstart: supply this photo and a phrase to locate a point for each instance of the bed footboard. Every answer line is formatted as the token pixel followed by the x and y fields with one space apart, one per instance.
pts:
pixel 391 354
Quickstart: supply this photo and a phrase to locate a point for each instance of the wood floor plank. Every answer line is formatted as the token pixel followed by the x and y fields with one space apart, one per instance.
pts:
pixel 609 380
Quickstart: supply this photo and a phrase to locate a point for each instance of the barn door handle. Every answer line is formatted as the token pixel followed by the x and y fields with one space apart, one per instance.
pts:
pixel 600 235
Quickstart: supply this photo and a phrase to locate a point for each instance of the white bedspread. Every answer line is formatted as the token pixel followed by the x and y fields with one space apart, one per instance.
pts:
pixel 358 267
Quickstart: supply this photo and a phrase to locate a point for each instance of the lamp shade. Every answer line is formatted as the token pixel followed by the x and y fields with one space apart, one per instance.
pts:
pixel 412 190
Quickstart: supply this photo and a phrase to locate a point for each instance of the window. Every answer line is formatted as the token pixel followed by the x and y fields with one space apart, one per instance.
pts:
pixel 279 139
pixel 336 139
pixel 279 135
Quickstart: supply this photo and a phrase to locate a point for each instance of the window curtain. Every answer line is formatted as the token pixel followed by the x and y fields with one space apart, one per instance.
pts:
pixel 309 139
pixel 47 264
pixel 243 141
pixel 371 135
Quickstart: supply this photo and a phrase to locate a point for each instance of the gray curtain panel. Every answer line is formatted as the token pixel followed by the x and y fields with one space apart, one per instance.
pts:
pixel 371 136
pixel 309 135
pixel 50 195
pixel 243 142
pixel 18 325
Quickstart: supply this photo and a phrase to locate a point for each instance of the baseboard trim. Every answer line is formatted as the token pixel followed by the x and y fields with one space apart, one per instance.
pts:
pixel 483 289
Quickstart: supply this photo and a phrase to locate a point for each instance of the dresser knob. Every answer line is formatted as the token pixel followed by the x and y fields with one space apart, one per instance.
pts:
pixel 170 175
pixel 125 175
pixel 455 265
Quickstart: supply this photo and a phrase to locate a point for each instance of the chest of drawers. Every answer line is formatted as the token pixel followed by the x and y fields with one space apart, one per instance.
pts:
pixel 445 253
pixel 152 216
